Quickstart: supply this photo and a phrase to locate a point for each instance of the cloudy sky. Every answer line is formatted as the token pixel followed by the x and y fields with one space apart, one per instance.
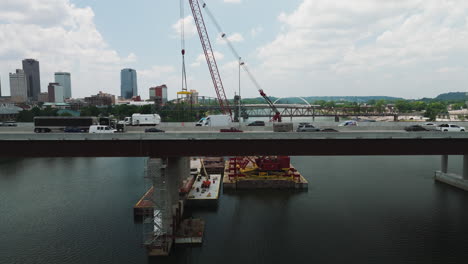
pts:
pixel 406 48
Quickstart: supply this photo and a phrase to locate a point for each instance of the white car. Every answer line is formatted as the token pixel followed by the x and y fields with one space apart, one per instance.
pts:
pixel 450 128
pixel 349 123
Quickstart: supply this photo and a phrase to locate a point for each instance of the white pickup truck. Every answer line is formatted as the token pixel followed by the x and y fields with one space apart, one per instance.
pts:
pixel 450 128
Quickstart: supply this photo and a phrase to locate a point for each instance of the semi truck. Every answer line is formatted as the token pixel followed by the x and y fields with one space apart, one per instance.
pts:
pixel 215 120
pixel 143 120
pixel 46 124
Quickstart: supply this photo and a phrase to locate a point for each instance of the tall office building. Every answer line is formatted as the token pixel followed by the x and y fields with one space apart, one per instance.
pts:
pixel 31 69
pixel 55 92
pixel 128 83
pixel 18 86
pixel 63 78
pixel 159 92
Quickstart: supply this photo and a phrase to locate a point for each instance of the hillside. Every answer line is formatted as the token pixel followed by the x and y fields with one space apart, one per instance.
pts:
pixel 453 96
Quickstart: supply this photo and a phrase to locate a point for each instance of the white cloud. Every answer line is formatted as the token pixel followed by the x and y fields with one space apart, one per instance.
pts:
pixel 255 31
pixel 233 1
pixel 62 37
pixel 328 43
pixel 190 29
pixel 201 58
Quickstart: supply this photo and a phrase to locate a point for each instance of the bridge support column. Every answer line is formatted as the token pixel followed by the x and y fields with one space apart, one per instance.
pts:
pixel 444 164
pixel 160 222
pixel 465 167
pixel 337 119
pixel 459 181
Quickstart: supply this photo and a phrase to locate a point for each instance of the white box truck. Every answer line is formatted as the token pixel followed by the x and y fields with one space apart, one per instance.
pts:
pixel 143 120
pixel 215 120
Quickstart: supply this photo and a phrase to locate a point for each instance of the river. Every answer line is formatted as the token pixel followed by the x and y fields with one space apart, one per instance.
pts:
pixel 357 210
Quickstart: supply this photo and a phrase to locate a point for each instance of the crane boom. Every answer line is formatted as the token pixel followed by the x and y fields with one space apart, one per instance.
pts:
pixel 210 57
pixel 277 116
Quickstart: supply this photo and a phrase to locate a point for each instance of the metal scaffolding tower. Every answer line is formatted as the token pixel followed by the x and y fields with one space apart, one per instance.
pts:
pixel 157 230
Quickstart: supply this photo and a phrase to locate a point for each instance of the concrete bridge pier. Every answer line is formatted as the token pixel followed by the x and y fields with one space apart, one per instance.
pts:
pixel 459 181
pixel 337 119
pixel 444 164
pixel 165 176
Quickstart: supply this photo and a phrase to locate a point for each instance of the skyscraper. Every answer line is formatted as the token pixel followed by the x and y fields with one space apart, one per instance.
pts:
pixel 18 86
pixel 31 70
pixel 128 83
pixel 63 78
pixel 55 92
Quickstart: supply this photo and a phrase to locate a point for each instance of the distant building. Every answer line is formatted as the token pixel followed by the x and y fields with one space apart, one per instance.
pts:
pixel 76 104
pixel 159 92
pixel 43 97
pixel 18 87
pixel 128 83
pixel 57 105
pixel 63 78
pixel 194 96
pixel 56 93
pixel 31 70
pixel 8 111
pixel 0 87
pixel 100 99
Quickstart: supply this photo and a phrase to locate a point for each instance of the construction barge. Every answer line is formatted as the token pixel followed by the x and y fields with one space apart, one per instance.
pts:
pixel 262 172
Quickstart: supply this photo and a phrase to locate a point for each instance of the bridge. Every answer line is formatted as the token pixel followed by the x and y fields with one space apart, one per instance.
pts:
pixel 231 144
pixel 299 110
pixel 168 163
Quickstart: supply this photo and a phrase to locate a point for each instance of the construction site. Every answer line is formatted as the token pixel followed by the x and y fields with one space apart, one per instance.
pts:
pixel 174 183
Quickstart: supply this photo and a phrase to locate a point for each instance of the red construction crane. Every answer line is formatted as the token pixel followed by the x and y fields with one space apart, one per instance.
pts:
pixel 197 13
pixel 210 57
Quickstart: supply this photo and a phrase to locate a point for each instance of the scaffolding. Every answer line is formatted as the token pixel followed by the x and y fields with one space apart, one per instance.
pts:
pixel 157 231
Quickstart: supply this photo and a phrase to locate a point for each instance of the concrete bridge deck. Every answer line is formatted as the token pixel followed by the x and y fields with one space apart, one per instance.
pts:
pixel 231 144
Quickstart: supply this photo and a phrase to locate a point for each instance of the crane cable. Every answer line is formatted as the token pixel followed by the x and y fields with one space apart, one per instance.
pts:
pixel 182 44
pixel 231 47
pixel 242 64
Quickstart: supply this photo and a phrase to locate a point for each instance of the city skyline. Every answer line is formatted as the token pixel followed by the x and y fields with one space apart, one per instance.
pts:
pixel 410 49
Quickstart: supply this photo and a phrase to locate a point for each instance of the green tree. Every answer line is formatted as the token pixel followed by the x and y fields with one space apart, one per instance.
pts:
pixel 434 109
pixel 380 106
pixel 65 114
pixel 25 116
pixel 403 106
pixel 418 105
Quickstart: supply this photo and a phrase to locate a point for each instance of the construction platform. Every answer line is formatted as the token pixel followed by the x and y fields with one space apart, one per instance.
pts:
pixel 213 165
pixel 190 231
pixel 161 251
pixel 205 190
pixel 263 179
pixel 144 204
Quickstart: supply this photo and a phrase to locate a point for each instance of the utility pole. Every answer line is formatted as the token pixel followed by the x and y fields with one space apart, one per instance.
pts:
pixel 240 64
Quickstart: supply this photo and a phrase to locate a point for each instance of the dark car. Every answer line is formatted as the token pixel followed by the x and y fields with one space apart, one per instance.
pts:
pixel 416 128
pixel 307 128
pixel 73 130
pixel 153 130
pixel 329 130
pixel 232 129
pixel 257 123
